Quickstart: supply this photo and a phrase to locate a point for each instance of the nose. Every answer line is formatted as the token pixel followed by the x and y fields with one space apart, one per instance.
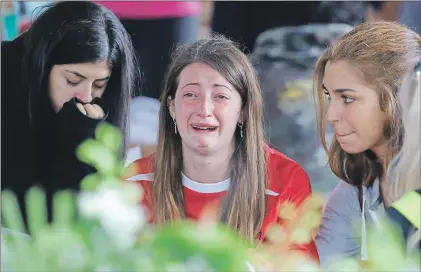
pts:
pixel 85 93
pixel 205 107
pixel 334 113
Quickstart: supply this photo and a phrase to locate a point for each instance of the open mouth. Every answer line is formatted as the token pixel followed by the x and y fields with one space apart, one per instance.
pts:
pixel 204 128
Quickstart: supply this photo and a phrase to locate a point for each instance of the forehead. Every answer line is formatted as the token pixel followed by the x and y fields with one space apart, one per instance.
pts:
pixel 202 74
pixel 342 74
pixel 89 70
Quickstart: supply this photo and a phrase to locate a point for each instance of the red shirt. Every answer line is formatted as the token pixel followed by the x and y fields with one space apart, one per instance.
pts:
pixel 288 182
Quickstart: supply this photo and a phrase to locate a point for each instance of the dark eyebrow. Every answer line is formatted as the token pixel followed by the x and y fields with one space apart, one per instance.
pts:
pixel 84 77
pixel 340 90
pixel 76 73
pixel 103 79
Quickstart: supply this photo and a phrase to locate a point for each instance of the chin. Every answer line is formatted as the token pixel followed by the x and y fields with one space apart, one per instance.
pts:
pixel 353 150
pixel 207 148
pixel 203 149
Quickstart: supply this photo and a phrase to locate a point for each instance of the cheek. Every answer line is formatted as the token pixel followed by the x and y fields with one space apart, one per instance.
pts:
pixel 367 121
pixel 62 93
pixel 59 88
pixel 183 109
pixel 227 113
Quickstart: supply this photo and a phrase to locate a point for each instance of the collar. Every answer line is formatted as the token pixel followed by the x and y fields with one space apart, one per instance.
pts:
pixel 372 195
pixel 207 188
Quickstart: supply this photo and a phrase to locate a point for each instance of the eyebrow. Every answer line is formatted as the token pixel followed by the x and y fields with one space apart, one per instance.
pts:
pixel 191 84
pixel 197 84
pixel 220 85
pixel 340 90
pixel 84 77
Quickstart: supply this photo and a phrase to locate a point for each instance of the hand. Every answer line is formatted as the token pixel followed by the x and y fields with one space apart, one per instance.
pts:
pixel 91 110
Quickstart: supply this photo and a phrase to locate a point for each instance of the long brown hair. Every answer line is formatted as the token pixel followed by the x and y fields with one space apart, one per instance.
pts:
pixel 383 51
pixel 243 207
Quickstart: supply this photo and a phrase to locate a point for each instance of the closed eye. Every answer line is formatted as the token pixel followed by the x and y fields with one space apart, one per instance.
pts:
pixel 99 86
pixel 71 83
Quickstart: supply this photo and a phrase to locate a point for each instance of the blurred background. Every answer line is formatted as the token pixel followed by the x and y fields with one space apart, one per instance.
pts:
pixel 283 40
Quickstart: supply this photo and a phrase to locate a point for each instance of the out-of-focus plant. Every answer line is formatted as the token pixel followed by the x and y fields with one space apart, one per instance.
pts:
pixel 103 228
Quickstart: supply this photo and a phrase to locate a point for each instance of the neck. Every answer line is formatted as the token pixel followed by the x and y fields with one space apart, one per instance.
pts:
pixel 381 152
pixel 207 168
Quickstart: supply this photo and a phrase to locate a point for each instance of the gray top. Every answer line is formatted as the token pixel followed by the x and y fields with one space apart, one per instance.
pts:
pixel 342 230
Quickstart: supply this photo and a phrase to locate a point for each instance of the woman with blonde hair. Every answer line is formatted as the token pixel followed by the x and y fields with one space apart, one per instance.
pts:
pixel 356 86
pixel 211 147
pixel 404 173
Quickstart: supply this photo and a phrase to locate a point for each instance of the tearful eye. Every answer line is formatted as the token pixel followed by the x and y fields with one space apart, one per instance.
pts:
pixel 220 96
pixel 189 95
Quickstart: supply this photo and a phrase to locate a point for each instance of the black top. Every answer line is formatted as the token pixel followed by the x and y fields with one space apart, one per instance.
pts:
pixel 43 152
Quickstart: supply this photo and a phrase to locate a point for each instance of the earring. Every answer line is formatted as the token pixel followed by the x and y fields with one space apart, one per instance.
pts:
pixel 175 126
pixel 240 125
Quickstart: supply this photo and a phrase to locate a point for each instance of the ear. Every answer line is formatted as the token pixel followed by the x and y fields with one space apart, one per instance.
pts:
pixel 170 104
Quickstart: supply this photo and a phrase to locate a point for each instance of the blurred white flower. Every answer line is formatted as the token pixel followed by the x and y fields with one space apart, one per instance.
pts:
pixel 118 216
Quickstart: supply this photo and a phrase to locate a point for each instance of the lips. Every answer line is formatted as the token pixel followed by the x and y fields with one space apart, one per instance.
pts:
pixel 343 134
pixel 204 127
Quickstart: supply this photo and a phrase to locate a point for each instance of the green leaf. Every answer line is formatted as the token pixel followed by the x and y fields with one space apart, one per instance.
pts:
pixel 119 168
pixel 36 210
pixel 109 136
pixel 95 154
pixel 386 248
pixel 180 242
pixel 348 264
pixel 11 211
pixel 91 182
pixel 63 208
pixel 61 249
pixel 18 243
